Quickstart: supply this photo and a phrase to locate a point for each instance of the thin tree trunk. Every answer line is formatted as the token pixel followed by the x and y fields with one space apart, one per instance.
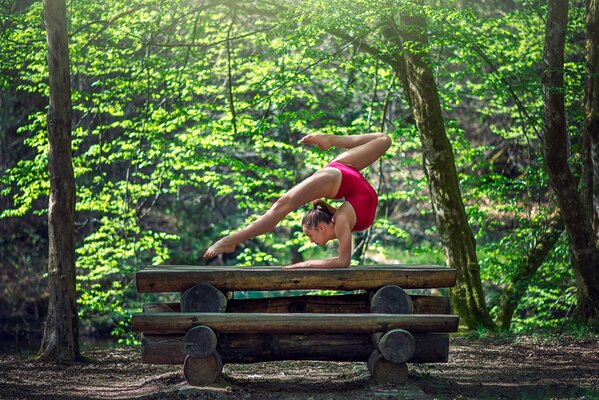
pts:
pixel 588 306
pixel 61 330
pixel 514 292
pixel 591 106
pixel 577 219
pixel 439 165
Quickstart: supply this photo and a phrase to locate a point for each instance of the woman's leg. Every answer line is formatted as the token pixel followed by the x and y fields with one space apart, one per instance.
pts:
pixel 365 153
pixel 362 151
pixel 323 183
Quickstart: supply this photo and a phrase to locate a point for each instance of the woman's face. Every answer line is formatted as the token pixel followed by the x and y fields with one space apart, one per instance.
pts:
pixel 317 235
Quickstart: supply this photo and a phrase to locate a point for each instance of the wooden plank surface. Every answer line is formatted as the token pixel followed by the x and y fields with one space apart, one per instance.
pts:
pixel 167 323
pixel 350 304
pixel 179 278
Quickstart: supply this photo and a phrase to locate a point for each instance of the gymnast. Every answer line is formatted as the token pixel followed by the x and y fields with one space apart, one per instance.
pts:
pixel 341 178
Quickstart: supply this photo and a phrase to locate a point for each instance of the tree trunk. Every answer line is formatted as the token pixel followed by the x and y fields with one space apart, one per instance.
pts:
pixel 576 216
pixel 535 257
pixel 577 219
pixel 439 165
pixel 588 302
pixel 591 109
pixel 60 341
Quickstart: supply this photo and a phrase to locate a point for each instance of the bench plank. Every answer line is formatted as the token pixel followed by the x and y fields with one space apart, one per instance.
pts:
pixel 179 278
pixel 240 348
pixel 166 323
pixel 350 303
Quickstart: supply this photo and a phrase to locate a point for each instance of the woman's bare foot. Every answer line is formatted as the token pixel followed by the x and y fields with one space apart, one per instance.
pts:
pixel 321 140
pixel 224 245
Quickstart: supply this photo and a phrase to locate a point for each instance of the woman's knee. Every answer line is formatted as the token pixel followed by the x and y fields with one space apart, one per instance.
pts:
pixel 282 206
pixel 384 139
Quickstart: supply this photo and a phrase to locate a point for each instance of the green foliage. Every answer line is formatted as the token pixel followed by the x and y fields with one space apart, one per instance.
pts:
pixel 187 117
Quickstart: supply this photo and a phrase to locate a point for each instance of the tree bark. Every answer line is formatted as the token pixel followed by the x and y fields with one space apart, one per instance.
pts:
pixel 591 109
pixel 588 304
pixel 60 341
pixel 577 219
pixel 467 296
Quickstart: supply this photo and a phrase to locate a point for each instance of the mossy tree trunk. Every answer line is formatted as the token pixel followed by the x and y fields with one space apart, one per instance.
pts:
pixel 439 165
pixel 578 216
pixel 60 340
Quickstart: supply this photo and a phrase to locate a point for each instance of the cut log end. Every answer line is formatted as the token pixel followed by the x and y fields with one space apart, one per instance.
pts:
pixel 391 299
pixel 200 342
pixel 386 372
pixel 203 297
pixel 397 345
pixel 202 371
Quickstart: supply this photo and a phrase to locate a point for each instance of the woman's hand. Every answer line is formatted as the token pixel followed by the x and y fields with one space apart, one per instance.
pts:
pixel 304 264
pixel 334 262
pixel 321 140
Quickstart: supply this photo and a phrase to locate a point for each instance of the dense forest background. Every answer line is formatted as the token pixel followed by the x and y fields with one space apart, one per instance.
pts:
pixel 186 121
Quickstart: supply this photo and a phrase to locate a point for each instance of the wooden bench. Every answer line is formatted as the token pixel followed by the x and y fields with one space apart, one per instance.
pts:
pixel 382 324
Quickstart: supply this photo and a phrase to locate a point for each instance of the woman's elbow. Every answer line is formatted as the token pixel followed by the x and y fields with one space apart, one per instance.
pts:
pixel 343 262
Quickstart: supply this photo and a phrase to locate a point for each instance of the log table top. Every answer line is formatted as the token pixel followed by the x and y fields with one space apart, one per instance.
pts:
pixel 178 278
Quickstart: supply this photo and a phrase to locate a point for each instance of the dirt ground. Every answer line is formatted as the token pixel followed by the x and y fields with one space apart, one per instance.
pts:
pixel 518 368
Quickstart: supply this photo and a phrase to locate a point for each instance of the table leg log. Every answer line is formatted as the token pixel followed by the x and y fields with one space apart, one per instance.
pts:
pixel 203 297
pixel 397 345
pixel 202 371
pixel 200 342
pixel 391 299
pixel 384 371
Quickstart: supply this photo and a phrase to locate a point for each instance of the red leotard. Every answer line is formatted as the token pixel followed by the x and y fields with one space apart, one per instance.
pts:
pixel 358 192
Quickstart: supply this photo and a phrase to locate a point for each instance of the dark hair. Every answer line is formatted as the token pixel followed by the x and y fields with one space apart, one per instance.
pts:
pixel 321 212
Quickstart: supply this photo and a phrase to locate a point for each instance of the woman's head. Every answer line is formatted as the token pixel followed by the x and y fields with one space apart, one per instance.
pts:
pixel 317 220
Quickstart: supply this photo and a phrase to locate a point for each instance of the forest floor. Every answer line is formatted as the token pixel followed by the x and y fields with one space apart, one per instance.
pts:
pixel 526 367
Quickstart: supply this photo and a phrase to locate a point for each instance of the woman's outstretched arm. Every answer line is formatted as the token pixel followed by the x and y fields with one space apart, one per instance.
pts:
pixel 344 236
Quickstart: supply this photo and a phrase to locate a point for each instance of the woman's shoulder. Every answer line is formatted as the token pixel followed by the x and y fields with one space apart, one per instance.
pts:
pixel 345 213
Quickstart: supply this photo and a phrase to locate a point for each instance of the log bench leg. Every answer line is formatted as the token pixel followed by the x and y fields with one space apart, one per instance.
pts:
pixel 202 371
pixel 384 371
pixel 200 342
pixel 203 297
pixel 397 345
pixel 391 299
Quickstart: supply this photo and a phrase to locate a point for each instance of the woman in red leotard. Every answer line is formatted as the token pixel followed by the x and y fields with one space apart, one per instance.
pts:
pixel 341 178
